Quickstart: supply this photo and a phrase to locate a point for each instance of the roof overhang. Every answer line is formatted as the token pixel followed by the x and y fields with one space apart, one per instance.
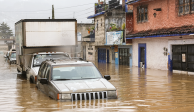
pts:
pixel 132 2
pixel 98 14
pixel 163 32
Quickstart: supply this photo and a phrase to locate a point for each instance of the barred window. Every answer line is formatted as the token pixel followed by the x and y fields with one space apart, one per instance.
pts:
pixel 142 14
pixel 186 6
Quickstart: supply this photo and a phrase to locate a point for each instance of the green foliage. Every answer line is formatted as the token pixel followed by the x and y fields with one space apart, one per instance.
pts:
pixel 113 27
pixel 5 31
pixel 123 26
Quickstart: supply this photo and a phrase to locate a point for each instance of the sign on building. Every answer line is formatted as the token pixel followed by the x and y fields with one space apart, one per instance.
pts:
pixel 114 38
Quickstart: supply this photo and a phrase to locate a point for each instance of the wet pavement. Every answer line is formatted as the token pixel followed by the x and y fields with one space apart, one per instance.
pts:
pixel 139 90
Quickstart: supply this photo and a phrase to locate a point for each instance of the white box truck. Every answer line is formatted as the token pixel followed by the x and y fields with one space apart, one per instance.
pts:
pixel 41 39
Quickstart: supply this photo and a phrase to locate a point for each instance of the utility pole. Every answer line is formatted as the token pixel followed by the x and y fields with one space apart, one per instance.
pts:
pixel 53 12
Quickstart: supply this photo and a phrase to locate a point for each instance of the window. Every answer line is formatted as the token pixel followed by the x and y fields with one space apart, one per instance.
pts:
pixel 185 6
pixel 142 14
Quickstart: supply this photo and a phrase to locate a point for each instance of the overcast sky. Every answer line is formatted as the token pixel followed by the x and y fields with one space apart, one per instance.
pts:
pixel 12 11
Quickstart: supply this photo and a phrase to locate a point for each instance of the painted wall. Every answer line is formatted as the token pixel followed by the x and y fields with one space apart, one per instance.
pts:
pixel 168 17
pixel 155 56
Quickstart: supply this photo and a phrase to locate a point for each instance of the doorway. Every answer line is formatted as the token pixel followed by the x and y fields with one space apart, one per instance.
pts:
pixel 102 55
pixel 183 57
pixel 124 56
pixel 142 60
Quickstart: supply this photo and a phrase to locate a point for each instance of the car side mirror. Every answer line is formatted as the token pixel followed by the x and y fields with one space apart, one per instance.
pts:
pixel 107 77
pixel 44 81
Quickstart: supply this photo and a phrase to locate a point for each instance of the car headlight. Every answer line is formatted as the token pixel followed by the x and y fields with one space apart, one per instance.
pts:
pixel 111 94
pixel 64 97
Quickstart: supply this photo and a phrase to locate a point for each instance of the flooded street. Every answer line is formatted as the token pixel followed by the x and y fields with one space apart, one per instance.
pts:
pixel 139 90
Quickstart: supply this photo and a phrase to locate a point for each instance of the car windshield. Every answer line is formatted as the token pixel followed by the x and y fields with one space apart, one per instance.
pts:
pixel 13 55
pixel 75 72
pixel 38 59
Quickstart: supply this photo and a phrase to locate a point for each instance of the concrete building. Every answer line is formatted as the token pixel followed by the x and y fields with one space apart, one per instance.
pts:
pixel 83 42
pixel 162 34
pixel 110 43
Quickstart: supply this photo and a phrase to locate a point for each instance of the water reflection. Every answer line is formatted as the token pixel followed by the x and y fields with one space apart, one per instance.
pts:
pixel 142 90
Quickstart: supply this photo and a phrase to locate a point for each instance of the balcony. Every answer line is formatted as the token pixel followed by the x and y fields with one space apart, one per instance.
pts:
pixel 89 38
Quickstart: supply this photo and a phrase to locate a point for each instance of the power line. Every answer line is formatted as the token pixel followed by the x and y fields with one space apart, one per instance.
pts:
pixel 49 9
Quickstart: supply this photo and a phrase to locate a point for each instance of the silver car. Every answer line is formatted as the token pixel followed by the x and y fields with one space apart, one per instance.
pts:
pixel 74 80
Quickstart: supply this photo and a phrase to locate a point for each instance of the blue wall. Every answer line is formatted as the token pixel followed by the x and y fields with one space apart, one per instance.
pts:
pixel 130 51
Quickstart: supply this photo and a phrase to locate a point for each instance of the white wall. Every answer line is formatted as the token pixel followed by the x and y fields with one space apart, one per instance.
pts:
pixel 155 56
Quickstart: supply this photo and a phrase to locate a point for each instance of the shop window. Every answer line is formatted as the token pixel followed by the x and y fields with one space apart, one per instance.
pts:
pixel 142 13
pixel 185 6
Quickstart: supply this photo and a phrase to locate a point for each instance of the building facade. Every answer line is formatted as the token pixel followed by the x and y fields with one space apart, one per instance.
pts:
pixel 162 34
pixel 82 42
pixel 110 44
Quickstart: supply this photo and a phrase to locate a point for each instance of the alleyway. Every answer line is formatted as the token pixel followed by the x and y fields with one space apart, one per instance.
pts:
pixel 138 90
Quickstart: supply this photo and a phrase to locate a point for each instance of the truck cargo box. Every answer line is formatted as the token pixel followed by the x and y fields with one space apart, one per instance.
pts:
pixel 46 32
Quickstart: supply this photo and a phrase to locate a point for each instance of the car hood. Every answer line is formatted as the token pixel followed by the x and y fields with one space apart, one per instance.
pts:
pixel 89 85
pixel 36 69
pixel 13 59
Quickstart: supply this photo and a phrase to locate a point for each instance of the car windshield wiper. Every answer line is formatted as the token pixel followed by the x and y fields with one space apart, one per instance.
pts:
pixel 90 78
pixel 63 79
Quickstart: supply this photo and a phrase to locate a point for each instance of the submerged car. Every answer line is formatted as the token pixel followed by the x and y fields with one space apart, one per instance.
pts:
pixel 12 57
pixel 74 80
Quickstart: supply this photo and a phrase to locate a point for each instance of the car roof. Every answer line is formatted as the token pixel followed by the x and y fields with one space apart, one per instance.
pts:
pixel 66 61
pixel 49 53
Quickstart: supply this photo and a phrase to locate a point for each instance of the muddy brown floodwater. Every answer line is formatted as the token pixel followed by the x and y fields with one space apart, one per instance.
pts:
pixel 139 90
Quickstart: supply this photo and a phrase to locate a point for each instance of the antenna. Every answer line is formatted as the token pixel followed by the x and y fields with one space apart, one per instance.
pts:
pixel 73 14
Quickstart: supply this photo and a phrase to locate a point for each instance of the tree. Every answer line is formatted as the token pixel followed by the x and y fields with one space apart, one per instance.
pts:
pixel 5 31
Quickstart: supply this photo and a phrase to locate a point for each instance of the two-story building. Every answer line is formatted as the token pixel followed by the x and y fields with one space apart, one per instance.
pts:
pixel 162 34
pixel 110 43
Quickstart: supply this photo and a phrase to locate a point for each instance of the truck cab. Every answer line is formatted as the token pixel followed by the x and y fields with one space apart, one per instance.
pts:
pixel 35 61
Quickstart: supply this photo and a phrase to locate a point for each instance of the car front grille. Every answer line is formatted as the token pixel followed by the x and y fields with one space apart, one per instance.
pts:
pixel 89 96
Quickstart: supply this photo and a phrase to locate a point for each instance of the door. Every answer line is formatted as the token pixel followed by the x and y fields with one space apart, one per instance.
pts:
pixel 102 55
pixel 142 60
pixel 107 56
pixel 183 57
pixel 124 56
pixel 47 76
pixel 41 75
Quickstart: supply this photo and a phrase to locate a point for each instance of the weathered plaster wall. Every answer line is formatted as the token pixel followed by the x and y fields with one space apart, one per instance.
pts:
pixel 118 18
pixel 81 27
pixel 155 56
